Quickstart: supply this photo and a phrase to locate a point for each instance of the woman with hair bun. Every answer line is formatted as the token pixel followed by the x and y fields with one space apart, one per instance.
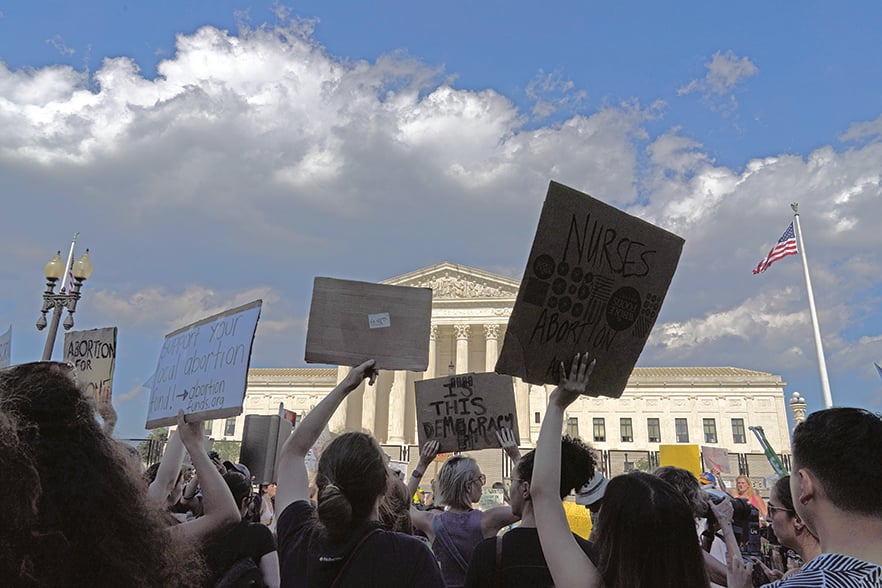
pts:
pixel 339 542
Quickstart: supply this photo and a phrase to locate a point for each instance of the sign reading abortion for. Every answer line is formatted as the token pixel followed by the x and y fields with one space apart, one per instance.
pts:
pixel 93 355
pixel 203 368
pixel 465 411
pixel 594 283
pixel 6 347
pixel 351 322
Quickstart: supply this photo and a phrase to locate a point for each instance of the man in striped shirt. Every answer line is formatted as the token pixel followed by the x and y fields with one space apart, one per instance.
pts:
pixel 836 482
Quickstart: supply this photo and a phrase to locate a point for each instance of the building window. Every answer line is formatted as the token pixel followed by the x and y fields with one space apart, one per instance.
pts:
pixel 682 430
pixel 710 431
pixel 738 431
pixel 230 427
pixel 599 429
pixel 206 428
pixel 537 418
pixel 573 426
pixel 654 430
pixel 627 430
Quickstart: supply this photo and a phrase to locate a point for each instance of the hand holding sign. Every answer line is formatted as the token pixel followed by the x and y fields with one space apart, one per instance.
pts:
pixel 509 444
pixel 360 372
pixel 428 453
pixel 573 385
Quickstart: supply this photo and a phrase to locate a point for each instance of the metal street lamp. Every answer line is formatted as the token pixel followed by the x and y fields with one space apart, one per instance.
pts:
pixel 54 269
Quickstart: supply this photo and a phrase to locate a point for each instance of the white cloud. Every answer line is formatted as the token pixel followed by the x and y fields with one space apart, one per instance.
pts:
pixel 60 46
pixel 724 72
pixel 258 158
pixel 550 94
pixel 863 130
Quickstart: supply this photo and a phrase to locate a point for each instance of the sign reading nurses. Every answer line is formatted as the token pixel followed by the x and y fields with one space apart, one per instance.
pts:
pixel 594 282
pixel 351 322
pixel 464 412
pixel 203 367
pixel 93 355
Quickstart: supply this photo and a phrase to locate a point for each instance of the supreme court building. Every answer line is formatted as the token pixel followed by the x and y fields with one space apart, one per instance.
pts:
pixel 713 406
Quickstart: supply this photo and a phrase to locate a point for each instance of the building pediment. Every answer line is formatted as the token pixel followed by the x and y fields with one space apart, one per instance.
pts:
pixel 452 281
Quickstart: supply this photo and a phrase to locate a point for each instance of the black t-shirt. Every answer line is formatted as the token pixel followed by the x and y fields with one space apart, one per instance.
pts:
pixel 385 559
pixel 246 539
pixel 523 563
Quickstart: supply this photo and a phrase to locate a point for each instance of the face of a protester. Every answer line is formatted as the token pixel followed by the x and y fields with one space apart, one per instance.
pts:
pixel 476 485
pixel 782 521
pixel 742 485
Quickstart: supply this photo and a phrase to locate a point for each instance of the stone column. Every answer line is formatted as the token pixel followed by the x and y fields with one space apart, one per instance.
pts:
pixel 433 353
pixel 369 408
pixel 337 423
pixel 396 408
pixel 491 333
pixel 462 348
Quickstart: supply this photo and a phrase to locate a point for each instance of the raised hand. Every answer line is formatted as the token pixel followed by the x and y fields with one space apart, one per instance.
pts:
pixel 429 452
pixel 359 373
pixel 576 383
pixel 509 443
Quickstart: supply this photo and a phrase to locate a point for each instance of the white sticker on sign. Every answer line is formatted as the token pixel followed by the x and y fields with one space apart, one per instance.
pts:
pixel 379 321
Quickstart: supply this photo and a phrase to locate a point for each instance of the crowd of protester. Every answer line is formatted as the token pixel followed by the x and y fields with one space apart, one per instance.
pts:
pixel 81 511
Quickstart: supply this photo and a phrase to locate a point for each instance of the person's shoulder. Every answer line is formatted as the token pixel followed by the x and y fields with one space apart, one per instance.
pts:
pixel 833 570
pixel 297 517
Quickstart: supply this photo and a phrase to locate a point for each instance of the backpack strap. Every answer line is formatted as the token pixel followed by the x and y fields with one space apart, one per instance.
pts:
pixel 497 571
pixel 442 536
pixel 351 556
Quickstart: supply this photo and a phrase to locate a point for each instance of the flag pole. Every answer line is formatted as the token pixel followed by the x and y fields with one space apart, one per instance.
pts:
pixel 822 363
pixel 69 262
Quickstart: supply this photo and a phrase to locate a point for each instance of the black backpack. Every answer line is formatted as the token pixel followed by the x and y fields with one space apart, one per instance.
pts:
pixel 242 574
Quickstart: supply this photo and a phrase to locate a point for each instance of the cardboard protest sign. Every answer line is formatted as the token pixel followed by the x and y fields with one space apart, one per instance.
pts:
pixel 203 367
pixel 93 355
pixel 491 498
pixel 716 458
pixel 465 411
pixel 594 282
pixel 684 456
pixel 351 322
pixel 6 348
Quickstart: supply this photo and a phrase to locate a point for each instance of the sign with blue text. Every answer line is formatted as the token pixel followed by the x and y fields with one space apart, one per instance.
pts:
pixel 93 355
pixel 594 282
pixel 203 368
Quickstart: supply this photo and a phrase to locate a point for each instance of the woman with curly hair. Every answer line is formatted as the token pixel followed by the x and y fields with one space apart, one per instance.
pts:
pixel 90 522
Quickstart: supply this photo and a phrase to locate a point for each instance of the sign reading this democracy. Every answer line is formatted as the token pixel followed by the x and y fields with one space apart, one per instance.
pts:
pixel 203 367
pixel 465 411
pixel 351 322
pixel 93 355
pixel 594 282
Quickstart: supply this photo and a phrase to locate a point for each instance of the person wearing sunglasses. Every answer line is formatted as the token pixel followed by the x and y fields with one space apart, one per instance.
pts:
pixel 456 531
pixel 789 528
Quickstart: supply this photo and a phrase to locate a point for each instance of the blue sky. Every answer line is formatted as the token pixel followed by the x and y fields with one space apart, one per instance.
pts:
pixel 210 153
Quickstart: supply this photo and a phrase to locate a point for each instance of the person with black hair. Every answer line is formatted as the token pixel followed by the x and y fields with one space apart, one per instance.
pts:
pixel 339 542
pixel 89 521
pixel 834 484
pixel 515 559
pixel 248 541
pixel 645 530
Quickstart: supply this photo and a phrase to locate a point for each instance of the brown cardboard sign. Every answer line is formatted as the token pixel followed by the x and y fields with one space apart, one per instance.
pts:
pixel 594 282
pixel 351 322
pixel 465 411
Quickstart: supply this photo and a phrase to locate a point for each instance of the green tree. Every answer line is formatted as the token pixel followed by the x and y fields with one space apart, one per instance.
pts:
pixel 152 447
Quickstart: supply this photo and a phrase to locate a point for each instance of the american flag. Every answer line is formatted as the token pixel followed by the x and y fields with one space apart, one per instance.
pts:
pixel 785 246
